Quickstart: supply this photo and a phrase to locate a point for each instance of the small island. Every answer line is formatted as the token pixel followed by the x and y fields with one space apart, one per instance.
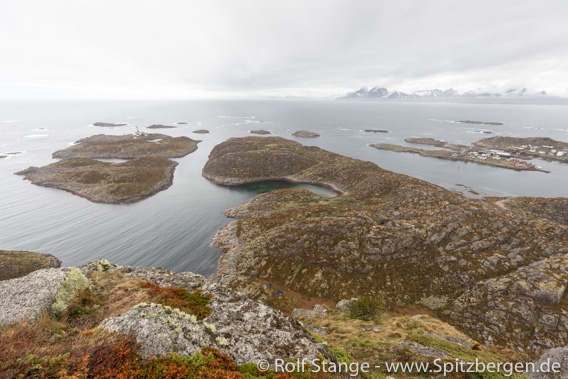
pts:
pixel 201 131
pixel 181 123
pixel 129 147
pixel 107 124
pixel 456 152
pixel 261 131
pixel 105 182
pixel 479 122
pixel 147 172
pixel 160 126
pixel 305 134
pixel 375 131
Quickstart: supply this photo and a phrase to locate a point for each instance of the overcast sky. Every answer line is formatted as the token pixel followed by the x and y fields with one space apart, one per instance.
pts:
pixel 233 48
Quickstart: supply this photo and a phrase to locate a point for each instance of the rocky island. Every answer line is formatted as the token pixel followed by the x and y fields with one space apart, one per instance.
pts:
pixel 201 131
pixel 480 122
pixel 105 182
pixel 261 131
pixel 305 134
pixel 375 131
pixel 148 171
pixel 463 153
pixel 107 124
pixel 527 148
pixel 160 126
pixel 129 147
pixel 497 274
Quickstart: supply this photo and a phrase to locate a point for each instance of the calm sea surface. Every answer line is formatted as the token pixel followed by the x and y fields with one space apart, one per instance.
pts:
pixel 173 229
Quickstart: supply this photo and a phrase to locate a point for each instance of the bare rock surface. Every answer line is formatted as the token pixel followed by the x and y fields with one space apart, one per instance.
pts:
pixel 27 297
pixel 558 356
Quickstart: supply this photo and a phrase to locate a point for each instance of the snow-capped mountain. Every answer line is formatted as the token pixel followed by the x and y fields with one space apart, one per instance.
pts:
pixel 383 93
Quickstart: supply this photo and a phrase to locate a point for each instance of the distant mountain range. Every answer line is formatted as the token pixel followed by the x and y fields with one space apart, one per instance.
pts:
pixel 383 93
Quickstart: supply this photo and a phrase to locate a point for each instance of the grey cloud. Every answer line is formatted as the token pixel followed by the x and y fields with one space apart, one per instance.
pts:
pixel 194 48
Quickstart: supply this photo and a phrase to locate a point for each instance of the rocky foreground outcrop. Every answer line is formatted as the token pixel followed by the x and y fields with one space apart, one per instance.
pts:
pixel 238 326
pixel 242 328
pixel 390 237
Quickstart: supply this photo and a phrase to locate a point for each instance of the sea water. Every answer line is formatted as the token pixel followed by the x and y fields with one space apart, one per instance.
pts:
pixel 173 229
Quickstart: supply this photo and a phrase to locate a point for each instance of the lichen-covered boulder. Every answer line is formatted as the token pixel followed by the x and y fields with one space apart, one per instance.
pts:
pixel 242 328
pixel 164 278
pixel 44 290
pixel 343 305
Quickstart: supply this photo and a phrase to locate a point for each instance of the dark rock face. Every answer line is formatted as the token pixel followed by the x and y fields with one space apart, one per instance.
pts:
pixel 107 124
pixel 390 237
